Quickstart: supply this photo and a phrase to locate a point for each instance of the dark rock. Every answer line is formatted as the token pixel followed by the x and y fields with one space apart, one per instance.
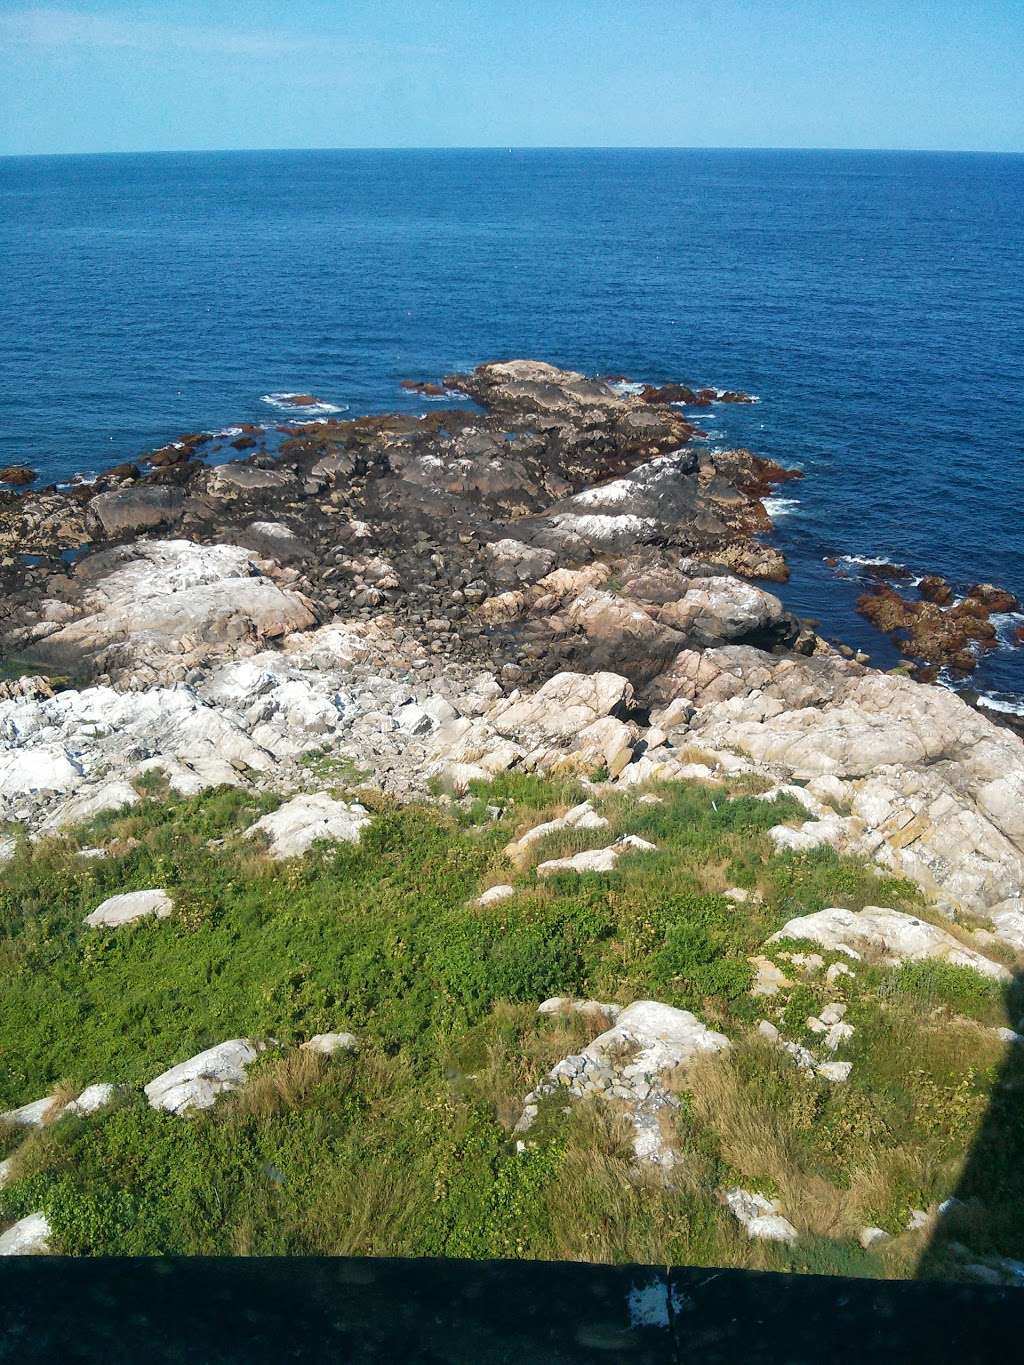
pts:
pixel 935 589
pixel 667 393
pixel 420 386
pixel 140 508
pixel 17 475
pixel 993 599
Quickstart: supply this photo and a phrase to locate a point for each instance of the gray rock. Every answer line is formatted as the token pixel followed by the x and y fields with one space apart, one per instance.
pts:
pixel 137 509
pixel 873 1237
pixel 130 906
pixel 92 1099
pixel 329 1043
pixel 890 936
pixel 759 1216
pixel 493 894
pixel 196 1083
pixel 299 823
pixel 28 1237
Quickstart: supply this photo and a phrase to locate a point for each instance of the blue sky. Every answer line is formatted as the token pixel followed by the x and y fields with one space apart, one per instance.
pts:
pixel 140 75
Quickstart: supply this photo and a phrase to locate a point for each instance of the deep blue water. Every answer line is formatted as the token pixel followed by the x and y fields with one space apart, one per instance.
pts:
pixel 874 301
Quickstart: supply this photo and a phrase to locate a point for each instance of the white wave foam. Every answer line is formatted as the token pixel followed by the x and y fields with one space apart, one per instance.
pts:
pixel 870 560
pixel 879 562
pixel 285 401
pixel 626 386
pixel 777 508
pixel 1007 624
pixel 1007 702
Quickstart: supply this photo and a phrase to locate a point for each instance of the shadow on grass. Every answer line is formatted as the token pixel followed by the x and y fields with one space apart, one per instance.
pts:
pixel 981 1229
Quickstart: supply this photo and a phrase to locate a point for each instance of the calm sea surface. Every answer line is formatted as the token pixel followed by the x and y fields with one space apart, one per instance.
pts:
pixel 874 302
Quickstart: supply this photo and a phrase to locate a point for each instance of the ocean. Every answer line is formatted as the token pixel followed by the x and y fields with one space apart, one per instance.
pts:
pixel 873 301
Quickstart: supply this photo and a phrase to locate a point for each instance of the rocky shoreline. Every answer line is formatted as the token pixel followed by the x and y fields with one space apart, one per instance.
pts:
pixel 434 596
pixel 559 587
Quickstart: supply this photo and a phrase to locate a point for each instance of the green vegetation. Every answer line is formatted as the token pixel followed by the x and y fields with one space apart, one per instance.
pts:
pixel 405 1148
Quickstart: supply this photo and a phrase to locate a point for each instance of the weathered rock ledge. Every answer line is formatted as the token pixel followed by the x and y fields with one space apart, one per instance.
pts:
pixel 547 583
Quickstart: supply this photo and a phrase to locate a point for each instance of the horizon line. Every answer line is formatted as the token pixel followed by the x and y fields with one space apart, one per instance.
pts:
pixel 525 147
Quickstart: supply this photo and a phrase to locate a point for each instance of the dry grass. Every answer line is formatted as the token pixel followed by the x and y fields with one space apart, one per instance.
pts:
pixel 520 1049
pixel 283 1084
pixel 759 1127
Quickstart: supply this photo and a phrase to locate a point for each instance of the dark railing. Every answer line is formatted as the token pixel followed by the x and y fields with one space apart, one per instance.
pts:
pixel 422 1312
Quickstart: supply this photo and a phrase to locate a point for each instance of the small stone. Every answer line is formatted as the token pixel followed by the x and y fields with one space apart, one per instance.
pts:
pixel 838 1072
pixel 871 1237
pixel 918 1219
pixel 495 894
pixel 832 1014
pixel 327 1044
pixel 767 1029
pixel 836 971
pixel 93 1098
pixel 130 906
pixel 837 1035
pixel 768 979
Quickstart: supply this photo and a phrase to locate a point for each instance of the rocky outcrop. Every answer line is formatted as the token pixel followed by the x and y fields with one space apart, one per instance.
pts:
pixel 915 778
pixel 17 475
pixel 547 584
pixel 301 822
pixel 889 937
pixel 30 1236
pixel 129 907
pixel 938 628
pixel 197 1083
pixel 156 610
pixel 630 1063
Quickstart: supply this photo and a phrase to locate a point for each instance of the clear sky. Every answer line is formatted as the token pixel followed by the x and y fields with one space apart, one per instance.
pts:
pixel 141 75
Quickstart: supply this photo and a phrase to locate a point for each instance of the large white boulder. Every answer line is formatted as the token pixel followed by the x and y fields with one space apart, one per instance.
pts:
pixel 130 906
pixel 28 1237
pixel 196 1083
pixel 563 706
pixel 299 823
pixel 888 936
pixel 660 1038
